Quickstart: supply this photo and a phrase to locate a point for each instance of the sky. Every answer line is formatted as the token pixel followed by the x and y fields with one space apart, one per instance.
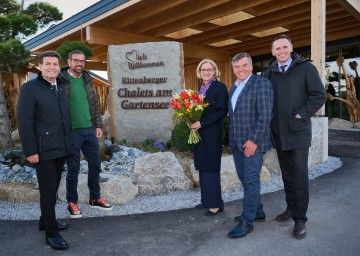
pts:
pixel 67 7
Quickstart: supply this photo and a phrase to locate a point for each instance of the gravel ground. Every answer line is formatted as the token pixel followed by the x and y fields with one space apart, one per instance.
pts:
pixel 155 203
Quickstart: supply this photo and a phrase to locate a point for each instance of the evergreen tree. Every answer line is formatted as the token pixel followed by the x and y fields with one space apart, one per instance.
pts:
pixel 15 25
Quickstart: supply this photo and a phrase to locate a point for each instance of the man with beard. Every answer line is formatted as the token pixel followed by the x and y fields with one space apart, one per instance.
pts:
pixel 86 130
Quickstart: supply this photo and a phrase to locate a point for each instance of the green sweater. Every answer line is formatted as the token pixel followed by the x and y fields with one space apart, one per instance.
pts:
pixel 79 104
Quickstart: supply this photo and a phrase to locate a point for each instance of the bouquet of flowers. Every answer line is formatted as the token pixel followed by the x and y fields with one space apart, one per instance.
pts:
pixel 188 106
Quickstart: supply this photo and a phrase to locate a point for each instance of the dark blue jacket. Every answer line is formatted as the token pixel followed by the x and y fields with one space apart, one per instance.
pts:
pixel 252 115
pixel 44 119
pixel 207 153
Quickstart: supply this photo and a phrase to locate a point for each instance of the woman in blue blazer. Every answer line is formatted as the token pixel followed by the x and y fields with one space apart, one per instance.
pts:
pixel 207 153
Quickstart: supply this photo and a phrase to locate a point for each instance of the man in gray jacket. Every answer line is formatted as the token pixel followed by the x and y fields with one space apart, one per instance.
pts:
pixel 298 94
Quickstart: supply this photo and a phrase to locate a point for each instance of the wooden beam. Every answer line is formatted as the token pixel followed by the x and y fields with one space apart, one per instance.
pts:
pixel 256 24
pixel 203 17
pixel 352 6
pixel 318 16
pixel 96 66
pixel 105 36
pixel 136 14
pixel 188 8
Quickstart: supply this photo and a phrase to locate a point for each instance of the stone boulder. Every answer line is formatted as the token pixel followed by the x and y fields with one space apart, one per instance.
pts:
pixel 160 172
pixel 116 189
pixel 271 162
pixel 229 178
pixel 19 192
pixel 357 125
pixel 337 123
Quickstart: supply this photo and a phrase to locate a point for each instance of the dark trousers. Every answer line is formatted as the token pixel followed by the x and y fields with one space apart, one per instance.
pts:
pixel 49 176
pixel 294 170
pixel 248 170
pixel 85 140
pixel 210 187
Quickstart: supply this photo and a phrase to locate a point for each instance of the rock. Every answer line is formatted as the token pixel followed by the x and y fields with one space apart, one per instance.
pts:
pixel 357 125
pixel 228 175
pixel 337 123
pixel 116 189
pixel 160 172
pixel 265 174
pixel 271 162
pixel 19 192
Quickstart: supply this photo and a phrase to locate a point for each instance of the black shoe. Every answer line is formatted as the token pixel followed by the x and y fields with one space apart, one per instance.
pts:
pixel 241 230
pixel 210 213
pixel 285 216
pixel 260 217
pixel 61 226
pixel 199 206
pixel 299 230
pixel 57 242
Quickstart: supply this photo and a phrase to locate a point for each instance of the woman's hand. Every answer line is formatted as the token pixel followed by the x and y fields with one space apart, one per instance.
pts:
pixel 196 126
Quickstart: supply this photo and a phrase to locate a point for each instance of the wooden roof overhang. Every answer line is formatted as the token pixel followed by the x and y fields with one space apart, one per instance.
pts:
pixel 217 29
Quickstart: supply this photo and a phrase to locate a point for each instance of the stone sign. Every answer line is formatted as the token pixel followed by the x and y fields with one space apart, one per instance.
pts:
pixel 143 78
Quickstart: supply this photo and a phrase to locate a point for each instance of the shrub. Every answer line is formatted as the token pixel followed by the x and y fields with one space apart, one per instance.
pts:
pixel 153 145
pixel 180 136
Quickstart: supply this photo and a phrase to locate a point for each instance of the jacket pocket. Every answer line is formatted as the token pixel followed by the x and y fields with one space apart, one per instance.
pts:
pixel 296 125
pixel 49 140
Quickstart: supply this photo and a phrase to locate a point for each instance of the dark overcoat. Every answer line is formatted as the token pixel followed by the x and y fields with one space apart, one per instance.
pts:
pixel 44 119
pixel 298 91
pixel 207 153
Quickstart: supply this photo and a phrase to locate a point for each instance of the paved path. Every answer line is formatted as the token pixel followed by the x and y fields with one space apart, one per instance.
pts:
pixel 333 226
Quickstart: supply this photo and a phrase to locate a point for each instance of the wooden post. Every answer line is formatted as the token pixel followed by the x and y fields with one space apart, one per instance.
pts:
pixel 318 18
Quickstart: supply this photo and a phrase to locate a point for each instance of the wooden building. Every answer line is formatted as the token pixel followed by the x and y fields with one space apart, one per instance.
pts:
pixel 217 29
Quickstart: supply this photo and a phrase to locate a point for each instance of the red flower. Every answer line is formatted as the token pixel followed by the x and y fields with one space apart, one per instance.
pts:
pixel 175 104
pixel 184 95
pixel 195 97
pixel 187 103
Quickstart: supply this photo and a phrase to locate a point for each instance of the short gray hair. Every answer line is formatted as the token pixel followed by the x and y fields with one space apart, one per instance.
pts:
pixel 241 55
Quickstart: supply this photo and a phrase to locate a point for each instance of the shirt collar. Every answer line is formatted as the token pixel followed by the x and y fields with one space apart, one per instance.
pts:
pixel 55 83
pixel 287 64
pixel 73 75
pixel 238 82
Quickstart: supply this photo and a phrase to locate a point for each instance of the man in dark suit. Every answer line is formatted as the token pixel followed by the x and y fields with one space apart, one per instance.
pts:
pixel 250 111
pixel 298 93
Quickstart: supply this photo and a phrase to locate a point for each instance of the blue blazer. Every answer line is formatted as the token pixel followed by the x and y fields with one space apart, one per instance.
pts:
pixel 252 115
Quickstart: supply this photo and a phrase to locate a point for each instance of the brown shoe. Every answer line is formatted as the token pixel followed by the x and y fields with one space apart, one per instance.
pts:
pixel 285 216
pixel 299 230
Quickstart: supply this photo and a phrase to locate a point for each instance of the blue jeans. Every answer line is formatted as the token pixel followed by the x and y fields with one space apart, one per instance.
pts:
pixel 84 139
pixel 248 170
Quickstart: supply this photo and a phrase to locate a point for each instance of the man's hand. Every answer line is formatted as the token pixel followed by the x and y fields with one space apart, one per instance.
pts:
pixel 98 133
pixel 33 159
pixel 250 148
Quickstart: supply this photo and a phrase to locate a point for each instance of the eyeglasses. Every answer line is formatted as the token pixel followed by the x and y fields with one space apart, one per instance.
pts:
pixel 206 70
pixel 77 61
